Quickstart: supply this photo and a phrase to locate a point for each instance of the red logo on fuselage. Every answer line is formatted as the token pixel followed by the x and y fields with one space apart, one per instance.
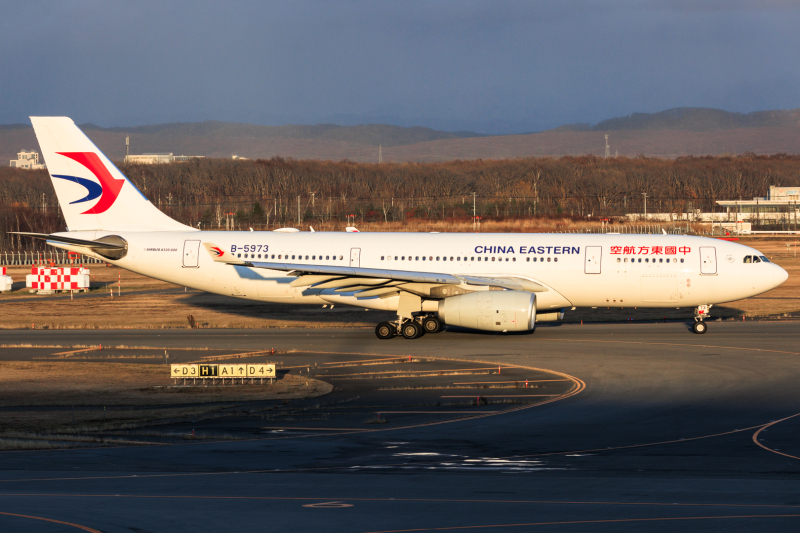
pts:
pixel 217 251
pixel 110 185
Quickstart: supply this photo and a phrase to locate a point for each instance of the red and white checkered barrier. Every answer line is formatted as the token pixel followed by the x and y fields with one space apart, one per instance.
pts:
pixel 58 279
pixel 5 281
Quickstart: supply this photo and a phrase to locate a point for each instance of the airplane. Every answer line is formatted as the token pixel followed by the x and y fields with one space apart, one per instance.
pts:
pixel 497 282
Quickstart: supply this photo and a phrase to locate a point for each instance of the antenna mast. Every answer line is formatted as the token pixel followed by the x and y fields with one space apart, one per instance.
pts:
pixel 608 148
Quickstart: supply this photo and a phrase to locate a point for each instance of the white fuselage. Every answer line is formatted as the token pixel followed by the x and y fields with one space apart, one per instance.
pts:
pixel 583 270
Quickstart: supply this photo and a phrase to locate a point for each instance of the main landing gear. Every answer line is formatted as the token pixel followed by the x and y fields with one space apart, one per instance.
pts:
pixel 700 313
pixel 409 328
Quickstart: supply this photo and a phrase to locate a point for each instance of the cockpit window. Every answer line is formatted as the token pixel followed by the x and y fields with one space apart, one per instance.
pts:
pixel 756 259
pixel 748 259
pixel 763 259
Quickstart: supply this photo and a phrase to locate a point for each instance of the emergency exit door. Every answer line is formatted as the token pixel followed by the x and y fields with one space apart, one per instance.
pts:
pixel 708 260
pixel 191 249
pixel 355 257
pixel 594 257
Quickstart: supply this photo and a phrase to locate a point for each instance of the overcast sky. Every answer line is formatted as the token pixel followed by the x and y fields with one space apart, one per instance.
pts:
pixel 489 66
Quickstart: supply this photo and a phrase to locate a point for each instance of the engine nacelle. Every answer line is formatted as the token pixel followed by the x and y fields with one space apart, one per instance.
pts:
pixel 490 310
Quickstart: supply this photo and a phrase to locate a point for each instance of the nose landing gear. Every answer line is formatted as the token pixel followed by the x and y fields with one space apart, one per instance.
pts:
pixel 700 313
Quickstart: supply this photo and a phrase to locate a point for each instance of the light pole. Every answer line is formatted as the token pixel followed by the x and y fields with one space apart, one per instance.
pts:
pixel 473 211
pixel 644 194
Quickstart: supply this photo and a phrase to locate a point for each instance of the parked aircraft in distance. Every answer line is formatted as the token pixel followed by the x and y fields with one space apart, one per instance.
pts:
pixel 491 282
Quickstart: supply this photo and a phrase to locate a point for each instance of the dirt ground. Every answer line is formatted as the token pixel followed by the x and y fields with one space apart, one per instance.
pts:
pixel 148 303
pixel 82 397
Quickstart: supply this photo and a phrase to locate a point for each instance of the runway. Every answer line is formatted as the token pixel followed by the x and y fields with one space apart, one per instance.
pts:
pixel 672 430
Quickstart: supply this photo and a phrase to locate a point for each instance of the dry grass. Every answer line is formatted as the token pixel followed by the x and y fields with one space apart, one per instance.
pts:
pixel 167 310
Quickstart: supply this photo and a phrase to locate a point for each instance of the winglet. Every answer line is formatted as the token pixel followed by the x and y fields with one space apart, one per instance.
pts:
pixel 221 256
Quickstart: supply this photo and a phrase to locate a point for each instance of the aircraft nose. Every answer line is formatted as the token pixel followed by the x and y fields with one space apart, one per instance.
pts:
pixel 779 275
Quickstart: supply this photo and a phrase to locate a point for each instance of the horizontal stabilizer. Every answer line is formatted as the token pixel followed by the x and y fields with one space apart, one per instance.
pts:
pixel 71 240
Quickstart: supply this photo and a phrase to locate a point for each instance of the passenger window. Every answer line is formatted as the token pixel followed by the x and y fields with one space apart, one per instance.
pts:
pixel 555 259
pixel 451 259
pixel 437 257
pixel 430 258
pixel 279 257
pixel 472 259
pixel 681 260
pixel 764 259
pixel 514 259
pixel 619 260
pixel 640 259
pixel 493 258
pixel 528 259
pixel 327 257
pixel 381 258
pixel 423 258
pixel 660 260
pixel 479 258
pixel 341 257
pixel 306 258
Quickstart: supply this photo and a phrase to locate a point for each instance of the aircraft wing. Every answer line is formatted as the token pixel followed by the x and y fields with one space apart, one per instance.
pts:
pixel 357 273
pixel 371 282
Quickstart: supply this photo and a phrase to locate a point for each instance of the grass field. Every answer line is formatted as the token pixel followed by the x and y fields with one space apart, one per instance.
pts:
pixel 56 404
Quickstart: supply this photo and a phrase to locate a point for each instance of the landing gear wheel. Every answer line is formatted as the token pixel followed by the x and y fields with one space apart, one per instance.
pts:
pixel 699 327
pixel 385 330
pixel 432 325
pixel 411 330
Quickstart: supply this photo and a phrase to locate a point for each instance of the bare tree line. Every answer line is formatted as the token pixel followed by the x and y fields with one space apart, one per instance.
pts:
pixel 266 192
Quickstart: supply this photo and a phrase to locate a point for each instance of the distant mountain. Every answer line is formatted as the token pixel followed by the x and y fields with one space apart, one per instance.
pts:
pixel 370 134
pixel 670 133
pixel 699 119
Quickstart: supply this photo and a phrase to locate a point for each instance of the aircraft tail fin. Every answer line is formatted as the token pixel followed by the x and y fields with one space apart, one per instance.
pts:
pixel 92 192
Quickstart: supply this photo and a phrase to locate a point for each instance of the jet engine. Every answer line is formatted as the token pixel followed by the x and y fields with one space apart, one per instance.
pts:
pixel 490 310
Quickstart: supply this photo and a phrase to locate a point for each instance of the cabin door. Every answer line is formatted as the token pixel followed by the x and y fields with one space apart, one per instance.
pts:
pixel 708 260
pixel 594 256
pixel 355 257
pixel 191 250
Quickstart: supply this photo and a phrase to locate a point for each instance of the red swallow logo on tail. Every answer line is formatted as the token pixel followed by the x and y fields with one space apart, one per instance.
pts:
pixel 110 185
